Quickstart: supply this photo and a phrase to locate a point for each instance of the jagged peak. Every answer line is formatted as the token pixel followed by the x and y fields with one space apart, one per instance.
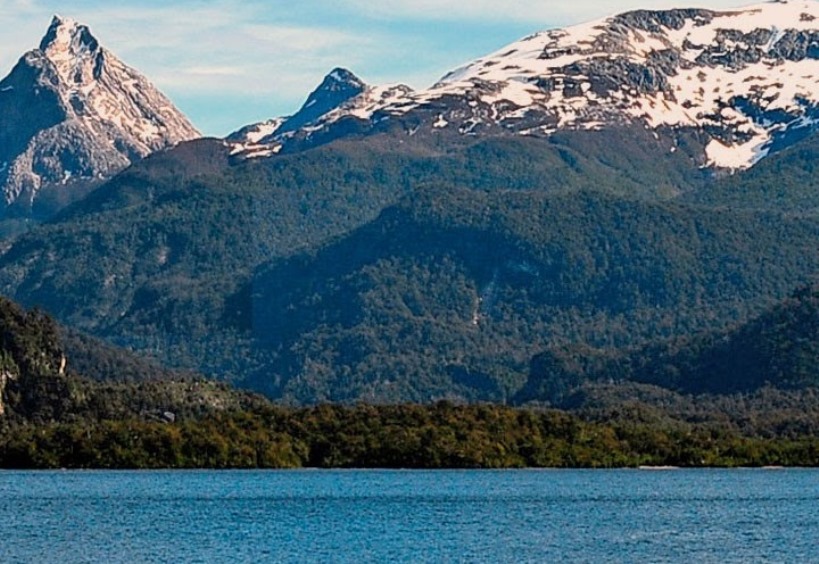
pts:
pixel 57 20
pixel 344 76
pixel 66 36
pixel 98 115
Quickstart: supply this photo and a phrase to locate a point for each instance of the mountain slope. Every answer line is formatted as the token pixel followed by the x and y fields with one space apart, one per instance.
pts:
pixel 786 181
pixel 150 257
pixel 46 372
pixel 452 292
pixel 162 259
pixel 73 114
pixel 778 349
pixel 744 79
pixel 339 89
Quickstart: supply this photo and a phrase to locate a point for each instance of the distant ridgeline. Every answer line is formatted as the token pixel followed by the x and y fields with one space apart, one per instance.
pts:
pixel 778 349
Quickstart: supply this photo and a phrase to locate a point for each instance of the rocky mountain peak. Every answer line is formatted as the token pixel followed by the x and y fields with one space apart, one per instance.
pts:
pixel 74 114
pixel 337 88
pixel 72 48
pixel 66 35
pixel 342 79
pixel 340 94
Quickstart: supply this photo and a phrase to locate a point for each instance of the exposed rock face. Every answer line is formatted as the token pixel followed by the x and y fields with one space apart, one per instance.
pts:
pixel 5 376
pixel 336 88
pixel 71 112
pixel 656 21
pixel 745 79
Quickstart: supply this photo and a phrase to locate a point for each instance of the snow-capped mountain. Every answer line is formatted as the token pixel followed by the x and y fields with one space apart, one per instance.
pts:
pixel 341 92
pixel 72 112
pixel 746 79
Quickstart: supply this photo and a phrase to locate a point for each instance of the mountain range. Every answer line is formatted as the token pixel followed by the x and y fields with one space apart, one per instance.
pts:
pixel 621 190
pixel 743 81
pixel 725 87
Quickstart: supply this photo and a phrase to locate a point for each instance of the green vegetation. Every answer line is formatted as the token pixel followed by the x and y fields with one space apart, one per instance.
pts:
pixel 784 182
pixel 397 269
pixel 436 436
pixel 162 258
pixel 778 349
pixel 53 418
pixel 453 293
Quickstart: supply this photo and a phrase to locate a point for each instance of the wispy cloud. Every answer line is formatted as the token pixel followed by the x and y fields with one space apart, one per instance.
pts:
pixel 539 12
pixel 214 71
pixel 17 5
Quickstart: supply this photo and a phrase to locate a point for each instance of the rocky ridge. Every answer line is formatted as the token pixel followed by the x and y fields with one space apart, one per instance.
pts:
pixel 744 78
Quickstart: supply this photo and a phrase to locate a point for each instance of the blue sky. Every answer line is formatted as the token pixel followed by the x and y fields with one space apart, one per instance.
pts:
pixel 227 63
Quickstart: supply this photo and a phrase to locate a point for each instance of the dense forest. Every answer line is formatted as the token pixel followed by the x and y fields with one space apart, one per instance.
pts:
pixel 135 415
pixel 779 349
pixel 437 436
pixel 454 291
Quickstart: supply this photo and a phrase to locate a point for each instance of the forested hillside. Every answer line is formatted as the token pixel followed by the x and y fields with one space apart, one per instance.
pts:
pixel 50 374
pixel 391 269
pixel 784 182
pixel 452 292
pixel 152 259
pixel 778 350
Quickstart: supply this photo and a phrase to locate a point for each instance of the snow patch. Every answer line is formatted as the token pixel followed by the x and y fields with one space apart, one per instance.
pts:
pixel 261 152
pixel 519 93
pixel 261 130
pixel 737 156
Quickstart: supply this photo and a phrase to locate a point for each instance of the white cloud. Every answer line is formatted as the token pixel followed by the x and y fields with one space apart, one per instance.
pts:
pixel 213 70
pixel 16 5
pixel 538 13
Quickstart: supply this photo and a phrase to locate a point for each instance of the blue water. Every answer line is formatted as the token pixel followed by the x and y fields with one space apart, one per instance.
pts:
pixel 378 516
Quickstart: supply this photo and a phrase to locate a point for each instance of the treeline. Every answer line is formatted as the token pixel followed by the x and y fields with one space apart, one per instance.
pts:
pixel 442 435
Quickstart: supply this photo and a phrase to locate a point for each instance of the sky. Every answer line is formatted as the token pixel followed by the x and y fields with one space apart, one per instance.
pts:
pixel 229 63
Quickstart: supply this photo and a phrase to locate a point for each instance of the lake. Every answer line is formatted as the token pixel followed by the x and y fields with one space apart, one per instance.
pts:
pixel 437 516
